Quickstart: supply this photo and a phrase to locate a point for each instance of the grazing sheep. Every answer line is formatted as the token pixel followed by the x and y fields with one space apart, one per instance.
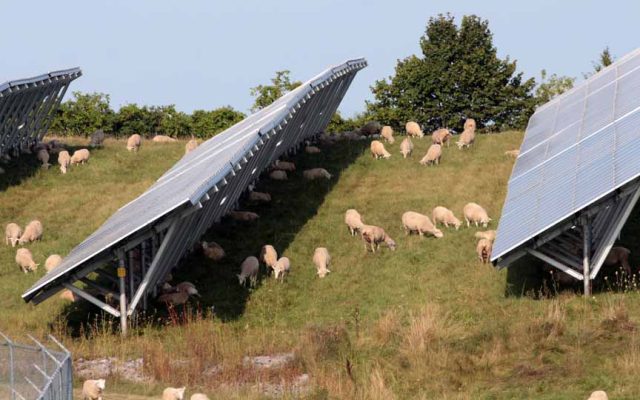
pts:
pixel 190 146
pixel 374 235
pixel 475 213
pixel 619 256
pixel 68 295
pixel 97 138
pixel 281 267
pixel 312 150
pixel 269 255
pixel 483 249
pixel 322 259
pixel 249 269
pixel 176 298
pixel 470 123
pixel 64 159
pixel 316 173
pixel 354 221
pixel 244 216
pixel 187 287
pixel 406 147
pixel 416 222
pixel 413 129
pixel 212 251
pixel 259 197
pixel 468 136
pixel 24 259
pixel 284 166
pixel 134 142
pixel 433 155
pixel 441 136
pixel 387 134
pixel 80 157
pixel 512 153
pixel 173 393
pixel 43 157
pixel 163 139
pixel 32 232
pixel 371 128
pixel 12 233
pixel 278 175
pixel 489 235
pixel 92 389
pixel 445 216
pixel 378 150
pixel 199 396
pixel 52 261
pixel 598 395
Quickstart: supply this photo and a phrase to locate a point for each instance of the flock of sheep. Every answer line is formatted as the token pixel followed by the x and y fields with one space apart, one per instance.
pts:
pixel 93 389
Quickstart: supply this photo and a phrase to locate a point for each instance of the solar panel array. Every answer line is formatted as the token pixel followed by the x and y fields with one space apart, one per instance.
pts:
pixel 206 183
pixel 577 148
pixel 27 107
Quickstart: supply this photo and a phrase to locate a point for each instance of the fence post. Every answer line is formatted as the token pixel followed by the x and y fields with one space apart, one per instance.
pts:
pixel 11 376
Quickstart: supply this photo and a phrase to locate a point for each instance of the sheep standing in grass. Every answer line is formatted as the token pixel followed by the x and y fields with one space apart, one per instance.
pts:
pixel 190 146
pixel 32 232
pixel 312 150
pixel 378 150
pixel 468 136
pixel 199 396
pixel 249 269
pixel 269 256
pixel 406 147
pixel 24 259
pixel 43 157
pixel 97 138
pixel 416 222
pixel 171 393
pixel 475 213
pixel 374 235
pixel 64 159
pixel 212 251
pixel 316 173
pixel 244 216
pixel 353 219
pixel 163 139
pixel 489 235
pixel 512 153
pixel 52 261
pixel 187 287
pixel 284 166
pixel 322 259
pixel 433 155
pixel 79 157
pixel 619 256
pixel 445 216
pixel 387 134
pixel 281 268
pixel 12 233
pixel 92 389
pixel 483 249
pixel 441 136
pixel 278 175
pixel 598 395
pixel 179 295
pixel 134 142
pixel 259 197
pixel 413 129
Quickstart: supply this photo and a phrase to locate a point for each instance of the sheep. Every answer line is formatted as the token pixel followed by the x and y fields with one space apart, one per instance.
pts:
pixel 475 213
pixel 619 256
pixel 43 157
pixel 259 197
pixel 92 389
pixel 278 175
pixel 316 173
pixel 52 261
pixel 489 235
pixel 281 267
pixel 468 136
pixel 483 249
pixel 378 150
pixel 68 295
pixel 441 136
pixel 64 159
pixel 598 395
pixel 97 138
pixel 413 221
pixel 24 259
pixel 322 259
pixel 245 216
pixel 187 287
pixel 212 251
pixel 470 123
pixel 80 157
pixel 406 147
pixel 171 393
pixel 12 233
pixel 374 235
pixel 199 396
pixel 190 146
pixel 32 232
pixel 387 134
pixel 353 220
pixel 312 150
pixel 134 142
pixel 163 139
pixel 512 153
pixel 269 255
pixel 180 294
pixel 433 155
pixel 370 128
pixel 445 216
pixel 284 166
pixel 249 269
pixel 413 129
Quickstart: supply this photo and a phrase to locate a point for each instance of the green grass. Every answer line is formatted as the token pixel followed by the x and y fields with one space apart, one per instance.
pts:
pixel 426 321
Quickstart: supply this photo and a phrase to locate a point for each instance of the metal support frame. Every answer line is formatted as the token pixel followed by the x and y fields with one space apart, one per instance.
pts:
pixel 586 254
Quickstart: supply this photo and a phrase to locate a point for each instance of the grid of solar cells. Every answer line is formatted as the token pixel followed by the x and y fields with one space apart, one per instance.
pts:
pixel 577 148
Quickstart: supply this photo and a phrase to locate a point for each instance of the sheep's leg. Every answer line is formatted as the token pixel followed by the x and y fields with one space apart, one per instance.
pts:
pixel 465 218
pixel 476 222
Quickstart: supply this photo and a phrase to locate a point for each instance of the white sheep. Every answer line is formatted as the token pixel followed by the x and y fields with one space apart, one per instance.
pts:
pixel 259 197
pixel 187 287
pixel 24 259
pixel 316 173
pixel 171 393
pixel 92 389
pixel 484 249
pixel 413 129
pixel 68 295
pixel 475 213
pixel 245 216
pixel 212 251
pixel 190 146
pixel 249 269
pixel 433 155
pixel 468 136
pixel 43 157
pixel 64 159
pixel 406 147
pixel 269 255
pixel 163 139
pixel 470 123
pixel 281 267
pixel 322 260
pixel 353 219
pixel 199 396
pixel 512 153
pixel 32 232
pixel 12 233
pixel 445 216
pixel 378 150
pixel 387 134
pixel 598 395
pixel 416 222
pixel 284 166
pixel 52 261
pixel 278 175
pixel 441 136
pixel 312 150
pixel 80 157
pixel 489 235
pixel 374 235
pixel 134 142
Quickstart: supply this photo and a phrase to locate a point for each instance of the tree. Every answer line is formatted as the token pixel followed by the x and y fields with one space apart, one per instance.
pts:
pixel 604 60
pixel 83 114
pixel 267 94
pixel 205 124
pixel 174 123
pixel 552 86
pixel 458 76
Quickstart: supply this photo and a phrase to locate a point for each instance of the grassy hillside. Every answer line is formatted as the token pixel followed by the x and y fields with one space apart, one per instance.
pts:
pixel 426 321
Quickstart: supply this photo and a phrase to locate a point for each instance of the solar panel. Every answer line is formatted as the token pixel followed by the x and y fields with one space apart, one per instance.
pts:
pixel 577 148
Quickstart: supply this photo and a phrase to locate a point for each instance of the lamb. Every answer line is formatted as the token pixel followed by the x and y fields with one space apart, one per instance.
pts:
pixel 475 213
pixel 433 155
pixel 322 259
pixel 249 269
pixel 489 235
pixel 619 256
pixel 312 150
pixel 468 136
pixel 43 157
pixel 24 259
pixel 416 222
pixel 387 134
pixel 269 255
pixel 52 261
pixel 281 267
pixel 163 139
pixel 445 216
pixel 278 175
pixel 512 153
pixel 92 389
pixel 79 157
pixel 441 136
pixel 97 138
pixel 483 249
pixel 64 159
pixel 354 221
pixel 413 129
pixel 13 232
pixel 259 197
pixel 212 251
pixel 406 147
pixel 134 142
pixel 284 166
pixel 32 232
pixel 68 295
pixel 171 393
pixel 374 235
pixel 245 216
pixel 378 151
pixel 190 146
pixel 199 396
pixel 371 128
pixel 316 173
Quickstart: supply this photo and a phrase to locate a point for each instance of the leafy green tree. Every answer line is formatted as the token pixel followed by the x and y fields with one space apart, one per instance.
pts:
pixel 604 60
pixel 83 114
pixel 267 94
pixel 131 119
pixel 458 76
pixel 552 86
pixel 174 123
pixel 339 124
pixel 205 124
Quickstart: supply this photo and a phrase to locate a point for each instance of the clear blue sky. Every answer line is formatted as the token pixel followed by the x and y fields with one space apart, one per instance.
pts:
pixel 205 54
